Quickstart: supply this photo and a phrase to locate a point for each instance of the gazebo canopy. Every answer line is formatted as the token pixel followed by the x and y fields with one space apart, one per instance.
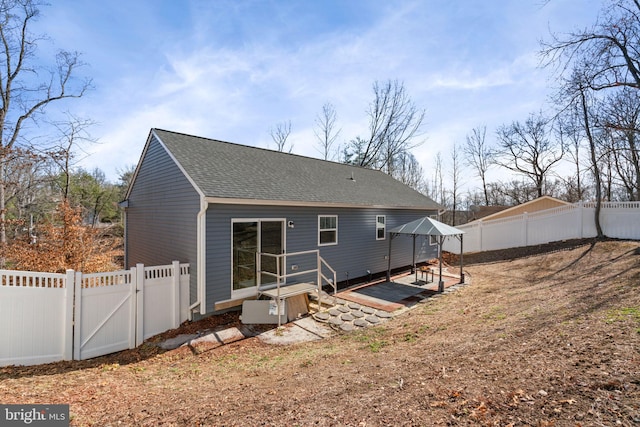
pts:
pixel 426 227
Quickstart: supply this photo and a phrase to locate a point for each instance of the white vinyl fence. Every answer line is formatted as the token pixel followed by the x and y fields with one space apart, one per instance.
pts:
pixel 47 317
pixel 619 220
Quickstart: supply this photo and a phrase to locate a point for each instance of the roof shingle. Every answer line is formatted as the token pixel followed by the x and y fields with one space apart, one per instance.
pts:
pixel 227 170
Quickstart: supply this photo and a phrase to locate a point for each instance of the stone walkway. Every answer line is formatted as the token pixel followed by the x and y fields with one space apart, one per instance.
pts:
pixel 343 316
pixel 347 316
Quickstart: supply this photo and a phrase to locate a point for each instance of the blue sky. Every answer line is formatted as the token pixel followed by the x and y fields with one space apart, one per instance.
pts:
pixel 231 70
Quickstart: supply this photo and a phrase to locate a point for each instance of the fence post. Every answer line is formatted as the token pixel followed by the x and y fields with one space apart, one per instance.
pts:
pixel 69 291
pixel 77 314
pixel 480 238
pixel 176 293
pixel 580 221
pixel 525 219
pixel 138 305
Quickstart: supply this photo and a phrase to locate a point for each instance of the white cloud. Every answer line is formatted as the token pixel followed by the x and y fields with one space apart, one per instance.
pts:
pixel 222 70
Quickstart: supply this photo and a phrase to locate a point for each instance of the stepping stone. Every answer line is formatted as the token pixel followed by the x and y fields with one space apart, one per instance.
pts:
pixel 383 314
pixel 343 309
pixel 335 321
pixel 206 342
pixel 347 317
pixel 176 342
pixel 322 316
pixel 368 310
pixel 347 327
pixel 354 306
pixel 335 312
pixel 228 335
pixel 372 319
pixel 361 322
pixel 357 314
pixel 340 301
pixel 318 329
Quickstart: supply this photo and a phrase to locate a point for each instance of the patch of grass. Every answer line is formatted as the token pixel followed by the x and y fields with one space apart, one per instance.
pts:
pixel 374 338
pixel 267 361
pixel 110 367
pixel 424 328
pixel 429 310
pixel 410 336
pixel 622 314
pixel 376 345
pixel 495 313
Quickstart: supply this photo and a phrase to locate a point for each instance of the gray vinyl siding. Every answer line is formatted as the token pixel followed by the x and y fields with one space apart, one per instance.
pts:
pixel 356 252
pixel 162 215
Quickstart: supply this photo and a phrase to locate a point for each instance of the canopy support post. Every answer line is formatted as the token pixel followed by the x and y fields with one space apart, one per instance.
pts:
pixel 389 258
pixel 461 259
pixel 440 282
pixel 413 262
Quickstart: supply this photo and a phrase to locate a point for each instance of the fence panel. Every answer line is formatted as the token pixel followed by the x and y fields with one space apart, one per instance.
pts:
pixel 553 225
pixel 185 279
pixel 503 233
pixel 35 314
pixel 471 239
pixel 620 220
pixel 162 299
pixel 105 313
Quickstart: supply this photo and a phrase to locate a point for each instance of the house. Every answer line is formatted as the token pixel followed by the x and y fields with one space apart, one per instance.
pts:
pixel 216 205
pixel 535 205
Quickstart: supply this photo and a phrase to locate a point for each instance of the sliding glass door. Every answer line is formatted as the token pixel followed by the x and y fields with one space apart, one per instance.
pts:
pixel 248 238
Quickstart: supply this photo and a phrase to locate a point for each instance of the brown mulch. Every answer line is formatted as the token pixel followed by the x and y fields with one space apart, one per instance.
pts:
pixel 546 336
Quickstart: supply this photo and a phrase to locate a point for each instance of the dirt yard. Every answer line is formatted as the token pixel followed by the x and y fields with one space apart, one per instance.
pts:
pixel 547 336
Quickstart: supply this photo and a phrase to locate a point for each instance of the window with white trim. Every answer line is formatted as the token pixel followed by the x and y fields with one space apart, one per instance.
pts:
pixel 327 230
pixel 381 227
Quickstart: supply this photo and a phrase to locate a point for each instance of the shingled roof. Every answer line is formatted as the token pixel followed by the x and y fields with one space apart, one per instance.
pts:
pixel 232 171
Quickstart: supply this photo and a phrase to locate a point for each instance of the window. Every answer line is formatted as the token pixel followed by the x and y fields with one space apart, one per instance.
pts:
pixel 380 227
pixel 327 230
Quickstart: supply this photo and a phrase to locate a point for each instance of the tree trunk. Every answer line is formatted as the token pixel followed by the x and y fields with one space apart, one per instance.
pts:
pixel 594 163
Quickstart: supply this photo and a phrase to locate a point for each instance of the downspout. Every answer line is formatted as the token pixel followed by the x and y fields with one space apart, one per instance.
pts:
pixel 201 258
pixel 125 229
pixel 124 205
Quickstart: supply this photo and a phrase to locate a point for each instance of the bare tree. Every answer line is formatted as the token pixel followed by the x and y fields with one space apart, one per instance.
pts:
pixel 620 114
pixel 594 160
pixel 395 123
pixel 326 131
pixel 72 135
pixel 514 192
pixel 280 134
pixel 456 180
pixel 25 182
pixel 479 156
pixel 438 191
pixel 526 148
pixel 606 54
pixel 407 170
pixel 26 89
pixel 570 131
